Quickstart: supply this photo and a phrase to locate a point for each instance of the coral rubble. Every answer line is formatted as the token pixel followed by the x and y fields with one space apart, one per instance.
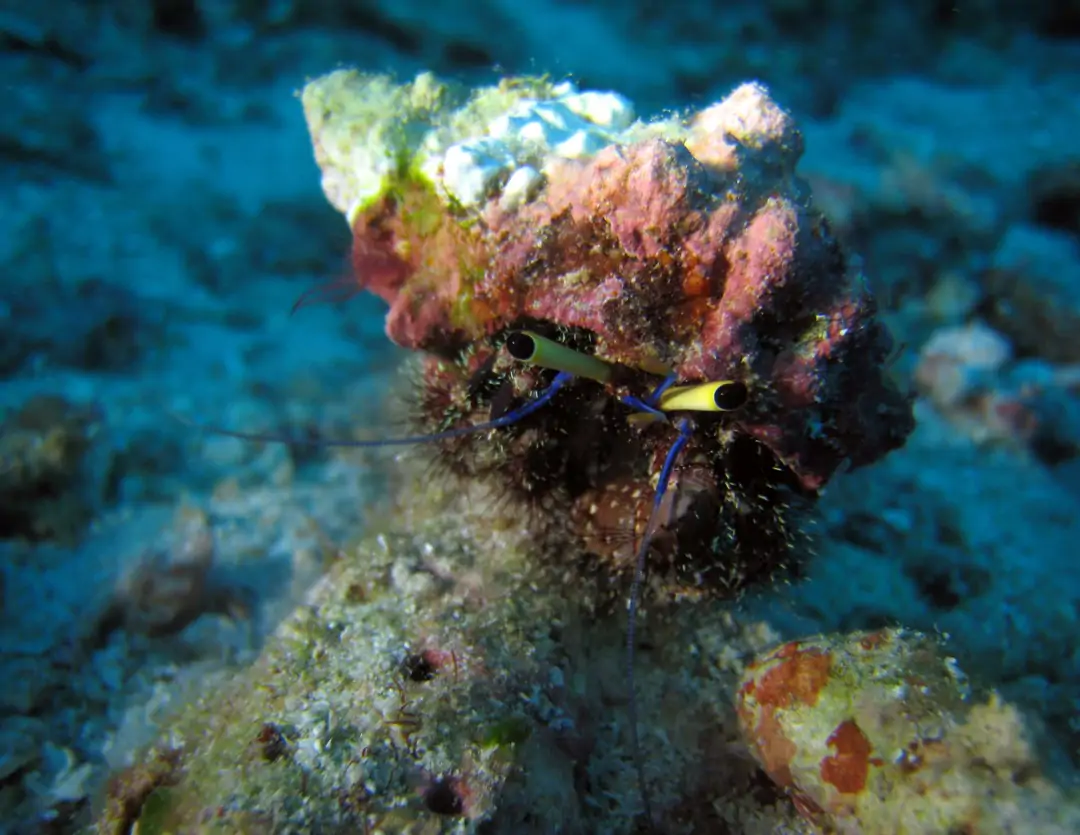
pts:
pixel 42 489
pixel 165 592
pixel 879 732
pixel 1032 283
pixel 970 375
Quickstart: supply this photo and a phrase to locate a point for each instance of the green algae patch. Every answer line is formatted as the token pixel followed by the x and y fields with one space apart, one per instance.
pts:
pixel 364 125
pixel 142 790
pixel 513 730
pixel 436 243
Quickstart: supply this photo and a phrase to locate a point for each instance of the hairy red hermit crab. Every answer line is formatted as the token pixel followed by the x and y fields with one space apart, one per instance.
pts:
pixel 643 327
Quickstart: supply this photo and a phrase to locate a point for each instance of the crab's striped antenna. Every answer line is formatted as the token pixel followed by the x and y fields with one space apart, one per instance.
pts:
pixel 685 430
pixel 523 346
pixel 717 396
pixel 561 379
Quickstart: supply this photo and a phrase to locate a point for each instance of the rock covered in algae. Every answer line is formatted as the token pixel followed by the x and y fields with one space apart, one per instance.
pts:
pixel 879 732
pixel 441 678
pixel 684 245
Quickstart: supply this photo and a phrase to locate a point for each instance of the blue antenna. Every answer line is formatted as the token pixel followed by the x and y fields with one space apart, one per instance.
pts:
pixel 561 379
pixel 685 430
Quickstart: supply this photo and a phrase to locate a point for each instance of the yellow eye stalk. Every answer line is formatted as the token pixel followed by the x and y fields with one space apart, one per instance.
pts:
pixel 722 396
pixel 526 346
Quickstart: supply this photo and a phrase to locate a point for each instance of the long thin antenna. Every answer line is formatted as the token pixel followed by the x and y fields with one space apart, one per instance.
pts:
pixel 561 379
pixel 335 291
pixel 685 429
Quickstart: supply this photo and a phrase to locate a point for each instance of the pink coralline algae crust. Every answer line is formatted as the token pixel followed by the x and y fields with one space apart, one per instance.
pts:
pixel 670 263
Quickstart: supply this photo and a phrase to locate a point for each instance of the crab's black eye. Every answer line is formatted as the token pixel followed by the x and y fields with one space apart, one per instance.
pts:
pixel 521 346
pixel 731 396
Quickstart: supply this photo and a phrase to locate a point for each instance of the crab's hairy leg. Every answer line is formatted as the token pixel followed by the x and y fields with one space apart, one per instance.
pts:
pixel 685 430
pixel 561 379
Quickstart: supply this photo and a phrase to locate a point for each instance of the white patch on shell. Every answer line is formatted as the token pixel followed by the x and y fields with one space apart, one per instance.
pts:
pixel 520 187
pixel 523 139
pixel 607 110
pixel 472 169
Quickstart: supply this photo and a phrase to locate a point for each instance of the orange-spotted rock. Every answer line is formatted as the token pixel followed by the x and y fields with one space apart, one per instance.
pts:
pixel 879 732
